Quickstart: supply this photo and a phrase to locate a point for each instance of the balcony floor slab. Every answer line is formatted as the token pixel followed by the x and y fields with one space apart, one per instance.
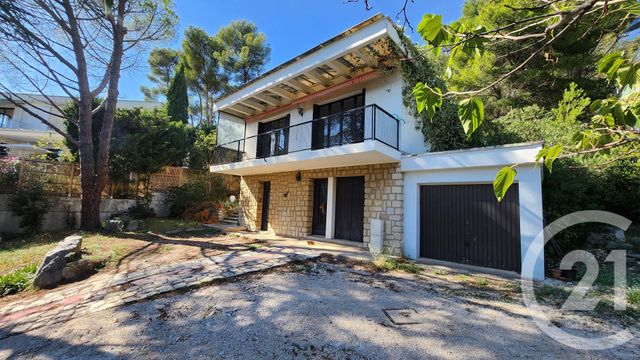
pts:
pixel 365 153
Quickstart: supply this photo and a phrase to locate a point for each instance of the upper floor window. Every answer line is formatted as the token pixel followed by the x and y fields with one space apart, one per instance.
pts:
pixel 5 116
pixel 339 122
pixel 273 138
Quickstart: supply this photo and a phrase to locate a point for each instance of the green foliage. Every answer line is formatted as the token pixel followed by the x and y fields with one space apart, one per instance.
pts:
pixel 162 63
pixel 179 198
pixel 17 280
pixel 144 141
pixel 388 263
pixel 572 106
pixel 9 174
pixel 471 113
pixel 141 210
pixel 443 130
pixel 504 179
pixel 30 204
pixel 177 98
pixel 203 70
pixel 203 148
pixel 244 51
pixel 578 183
pixel 71 116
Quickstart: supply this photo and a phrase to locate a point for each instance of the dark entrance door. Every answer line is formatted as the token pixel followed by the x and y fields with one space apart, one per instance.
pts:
pixel 266 195
pixel 349 208
pixel 466 224
pixel 341 122
pixel 319 207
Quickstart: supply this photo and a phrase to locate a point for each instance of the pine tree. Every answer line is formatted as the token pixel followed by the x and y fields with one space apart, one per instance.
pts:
pixel 177 98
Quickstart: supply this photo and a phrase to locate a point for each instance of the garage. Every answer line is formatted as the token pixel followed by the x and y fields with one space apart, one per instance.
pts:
pixel 466 224
pixel 451 215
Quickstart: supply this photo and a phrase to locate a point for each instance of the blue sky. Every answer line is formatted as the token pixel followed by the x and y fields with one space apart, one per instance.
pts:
pixel 291 26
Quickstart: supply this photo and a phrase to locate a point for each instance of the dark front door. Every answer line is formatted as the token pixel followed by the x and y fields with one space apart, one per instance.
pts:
pixel 273 138
pixel 340 122
pixel 349 208
pixel 319 207
pixel 466 224
pixel 266 196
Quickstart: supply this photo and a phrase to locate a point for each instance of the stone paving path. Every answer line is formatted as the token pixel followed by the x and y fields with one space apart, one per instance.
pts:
pixel 110 290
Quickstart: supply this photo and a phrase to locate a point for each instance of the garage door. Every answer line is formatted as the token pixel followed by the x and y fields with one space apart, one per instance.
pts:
pixel 466 224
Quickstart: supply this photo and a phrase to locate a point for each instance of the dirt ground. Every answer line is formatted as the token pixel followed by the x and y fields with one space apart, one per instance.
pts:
pixel 324 310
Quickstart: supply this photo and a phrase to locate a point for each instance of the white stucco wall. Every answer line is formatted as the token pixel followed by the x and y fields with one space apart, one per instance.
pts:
pixel 476 166
pixel 385 91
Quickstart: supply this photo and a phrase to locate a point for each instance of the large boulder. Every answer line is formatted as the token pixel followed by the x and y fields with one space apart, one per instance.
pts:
pixel 114 225
pixel 77 270
pixel 49 273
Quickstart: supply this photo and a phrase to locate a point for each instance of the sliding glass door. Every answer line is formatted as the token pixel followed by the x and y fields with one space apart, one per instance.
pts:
pixel 340 122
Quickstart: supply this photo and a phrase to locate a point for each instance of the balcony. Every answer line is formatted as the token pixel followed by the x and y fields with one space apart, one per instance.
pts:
pixel 361 136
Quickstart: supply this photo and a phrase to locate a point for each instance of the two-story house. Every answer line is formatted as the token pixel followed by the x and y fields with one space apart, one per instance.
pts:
pixel 325 148
pixel 21 132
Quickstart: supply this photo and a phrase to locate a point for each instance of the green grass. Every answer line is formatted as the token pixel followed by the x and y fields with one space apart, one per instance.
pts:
pixel 163 225
pixel 633 295
pixel 254 246
pixel 391 263
pixel 17 280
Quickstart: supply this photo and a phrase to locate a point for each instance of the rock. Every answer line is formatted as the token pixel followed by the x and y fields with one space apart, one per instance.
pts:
pixel 135 225
pixel 114 225
pixel 77 270
pixel 71 243
pixel 49 273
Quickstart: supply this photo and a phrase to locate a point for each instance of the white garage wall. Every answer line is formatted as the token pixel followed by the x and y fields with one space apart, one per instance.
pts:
pixel 476 166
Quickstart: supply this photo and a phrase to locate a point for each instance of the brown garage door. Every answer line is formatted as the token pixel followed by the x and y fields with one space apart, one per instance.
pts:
pixel 466 224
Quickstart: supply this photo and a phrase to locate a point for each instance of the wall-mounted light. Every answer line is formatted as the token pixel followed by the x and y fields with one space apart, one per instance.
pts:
pixel 298 176
pixel 300 110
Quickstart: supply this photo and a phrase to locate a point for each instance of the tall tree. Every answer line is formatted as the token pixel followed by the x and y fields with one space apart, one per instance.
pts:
pixel 244 51
pixel 162 63
pixel 177 97
pixel 548 26
pixel 78 48
pixel 203 71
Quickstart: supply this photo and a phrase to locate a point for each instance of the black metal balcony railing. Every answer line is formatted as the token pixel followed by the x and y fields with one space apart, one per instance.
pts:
pixel 369 122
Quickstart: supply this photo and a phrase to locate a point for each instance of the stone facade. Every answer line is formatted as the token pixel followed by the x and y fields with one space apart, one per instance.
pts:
pixel 291 201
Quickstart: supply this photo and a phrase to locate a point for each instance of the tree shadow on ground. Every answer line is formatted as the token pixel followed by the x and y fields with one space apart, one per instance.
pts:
pixel 309 311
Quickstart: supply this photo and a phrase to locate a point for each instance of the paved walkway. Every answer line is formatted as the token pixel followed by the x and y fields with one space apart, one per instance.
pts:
pixel 110 290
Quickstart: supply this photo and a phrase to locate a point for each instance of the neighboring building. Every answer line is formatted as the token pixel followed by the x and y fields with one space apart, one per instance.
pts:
pixel 20 132
pixel 326 148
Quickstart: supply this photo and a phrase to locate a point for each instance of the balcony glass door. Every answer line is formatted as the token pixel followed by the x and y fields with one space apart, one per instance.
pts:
pixel 341 122
pixel 273 138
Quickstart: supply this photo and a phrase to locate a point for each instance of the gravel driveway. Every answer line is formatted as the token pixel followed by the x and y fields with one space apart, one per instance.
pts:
pixel 319 310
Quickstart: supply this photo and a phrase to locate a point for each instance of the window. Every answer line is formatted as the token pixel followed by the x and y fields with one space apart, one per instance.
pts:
pixel 340 122
pixel 273 138
pixel 5 116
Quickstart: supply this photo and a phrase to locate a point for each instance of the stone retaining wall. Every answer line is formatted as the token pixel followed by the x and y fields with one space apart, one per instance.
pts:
pixel 65 212
pixel 290 206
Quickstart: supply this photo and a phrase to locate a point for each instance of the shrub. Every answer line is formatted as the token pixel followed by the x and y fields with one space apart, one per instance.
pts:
pixel 31 205
pixel 9 174
pixel 633 295
pixel 384 262
pixel 17 280
pixel 141 210
pixel 179 198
